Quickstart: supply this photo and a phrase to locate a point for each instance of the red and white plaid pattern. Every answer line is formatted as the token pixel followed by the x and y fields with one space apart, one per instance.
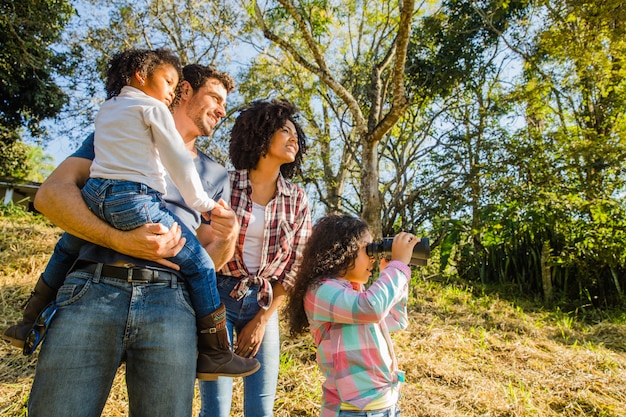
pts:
pixel 287 227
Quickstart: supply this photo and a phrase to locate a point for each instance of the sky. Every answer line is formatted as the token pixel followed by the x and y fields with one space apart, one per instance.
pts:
pixel 59 149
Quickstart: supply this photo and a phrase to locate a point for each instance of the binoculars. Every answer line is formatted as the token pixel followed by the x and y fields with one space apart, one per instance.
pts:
pixel 421 251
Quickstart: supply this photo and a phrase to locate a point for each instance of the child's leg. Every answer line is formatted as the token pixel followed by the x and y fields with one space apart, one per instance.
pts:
pixel 127 205
pixel 215 357
pixel 65 253
pixel 198 269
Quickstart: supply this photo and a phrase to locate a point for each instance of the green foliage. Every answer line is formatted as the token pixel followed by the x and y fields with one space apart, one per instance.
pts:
pixel 14 210
pixel 586 260
pixel 557 178
pixel 29 63
pixel 199 31
pixel 447 46
pixel 24 162
pixel 38 163
pixel 13 162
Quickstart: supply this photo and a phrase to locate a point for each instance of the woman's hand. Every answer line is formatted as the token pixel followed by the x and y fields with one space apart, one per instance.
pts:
pixel 250 338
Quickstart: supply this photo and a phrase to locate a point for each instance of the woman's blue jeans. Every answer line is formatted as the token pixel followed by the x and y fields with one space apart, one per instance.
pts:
pixel 102 322
pixel 127 205
pixel 259 389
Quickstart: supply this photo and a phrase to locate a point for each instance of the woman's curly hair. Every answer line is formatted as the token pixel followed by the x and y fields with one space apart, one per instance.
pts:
pixel 123 66
pixel 253 129
pixel 331 250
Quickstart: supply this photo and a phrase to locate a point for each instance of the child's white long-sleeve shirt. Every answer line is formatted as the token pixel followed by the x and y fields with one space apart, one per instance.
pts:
pixel 136 140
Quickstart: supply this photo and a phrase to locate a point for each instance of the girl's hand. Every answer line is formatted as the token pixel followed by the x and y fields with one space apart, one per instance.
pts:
pixel 402 247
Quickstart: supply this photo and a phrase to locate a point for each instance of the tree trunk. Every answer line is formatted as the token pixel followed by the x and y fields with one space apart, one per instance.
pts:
pixel 370 195
pixel 546 274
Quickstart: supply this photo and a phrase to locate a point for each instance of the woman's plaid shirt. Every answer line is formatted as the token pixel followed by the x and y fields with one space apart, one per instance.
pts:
pixel 287 227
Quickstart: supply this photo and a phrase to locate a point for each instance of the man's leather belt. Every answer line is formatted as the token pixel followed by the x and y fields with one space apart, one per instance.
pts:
pixel 140 275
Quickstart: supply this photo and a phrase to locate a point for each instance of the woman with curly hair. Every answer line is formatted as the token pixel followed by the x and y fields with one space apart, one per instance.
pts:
pixel 350 324
pixel 266 149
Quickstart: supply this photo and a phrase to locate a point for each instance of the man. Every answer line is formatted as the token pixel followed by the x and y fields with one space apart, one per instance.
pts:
pixel 108 313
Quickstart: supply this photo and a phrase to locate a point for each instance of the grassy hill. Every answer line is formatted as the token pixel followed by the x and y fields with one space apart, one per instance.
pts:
pixel 467 352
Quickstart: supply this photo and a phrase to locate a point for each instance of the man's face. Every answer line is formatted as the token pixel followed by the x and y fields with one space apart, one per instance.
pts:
pixel 207 106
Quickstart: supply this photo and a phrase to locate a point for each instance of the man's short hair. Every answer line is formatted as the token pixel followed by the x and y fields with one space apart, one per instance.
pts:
pixel 197 75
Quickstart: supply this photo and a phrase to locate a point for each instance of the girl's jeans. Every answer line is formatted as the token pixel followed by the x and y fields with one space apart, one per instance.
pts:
pixel 259 389
pixel 127 205
pixel 389 412
pixel 65 253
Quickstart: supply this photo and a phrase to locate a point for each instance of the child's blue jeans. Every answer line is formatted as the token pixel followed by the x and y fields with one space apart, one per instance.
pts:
pixel 127 205
pixel 65 253
pixel 389 412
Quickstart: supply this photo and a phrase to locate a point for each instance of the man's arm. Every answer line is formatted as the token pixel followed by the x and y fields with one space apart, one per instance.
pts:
pixel 60 200
pixel 219 237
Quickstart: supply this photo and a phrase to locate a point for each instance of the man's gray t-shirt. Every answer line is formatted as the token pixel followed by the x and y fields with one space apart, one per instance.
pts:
pixel 215 182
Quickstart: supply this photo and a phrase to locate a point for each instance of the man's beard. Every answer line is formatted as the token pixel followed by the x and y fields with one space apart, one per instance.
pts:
pixel 199 120
pixel 204 129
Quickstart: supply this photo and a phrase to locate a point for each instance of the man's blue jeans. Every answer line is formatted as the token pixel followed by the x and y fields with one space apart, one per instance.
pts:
pixel 127 205
pixel 102 322
pixel 259 389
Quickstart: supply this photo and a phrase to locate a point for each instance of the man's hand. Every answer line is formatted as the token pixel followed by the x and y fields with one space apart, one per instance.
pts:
pixel 153 242
pixel 219 237
pixel 62 190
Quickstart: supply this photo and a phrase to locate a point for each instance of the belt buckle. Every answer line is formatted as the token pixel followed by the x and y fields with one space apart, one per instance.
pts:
pixel 129 277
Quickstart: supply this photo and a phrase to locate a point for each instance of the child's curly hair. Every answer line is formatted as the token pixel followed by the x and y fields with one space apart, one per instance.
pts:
pixel 123 66
pixel 253 129
pixel 330 251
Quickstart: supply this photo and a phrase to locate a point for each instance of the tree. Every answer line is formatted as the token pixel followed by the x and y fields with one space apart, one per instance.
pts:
pixel 24 162
pixel 199 31
pixel 29 64
pixel 382 66
pixel 368 82
pixel 562 189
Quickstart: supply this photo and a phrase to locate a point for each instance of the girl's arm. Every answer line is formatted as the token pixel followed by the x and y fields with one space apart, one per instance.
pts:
pixel 252 333
pixel 176 159
pixel 398 319
pixel 336 301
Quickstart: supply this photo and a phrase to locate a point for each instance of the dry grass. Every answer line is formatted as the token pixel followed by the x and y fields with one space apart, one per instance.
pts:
pixel 465 355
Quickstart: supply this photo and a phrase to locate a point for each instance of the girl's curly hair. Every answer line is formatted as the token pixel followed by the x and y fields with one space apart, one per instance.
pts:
pixel 331 250
pixel 123 66
pixel 253 129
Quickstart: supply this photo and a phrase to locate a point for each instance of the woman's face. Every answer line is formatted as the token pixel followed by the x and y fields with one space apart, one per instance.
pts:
pixel 284 144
